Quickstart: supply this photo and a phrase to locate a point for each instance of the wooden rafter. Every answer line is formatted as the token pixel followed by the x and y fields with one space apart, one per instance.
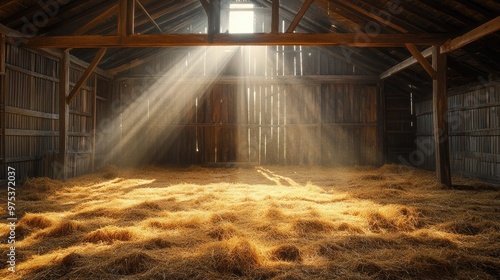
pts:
pixel 170 40
pixel 148 15
pixel 86 74
pixel 95 21
pixel 471 36
pixel 299 16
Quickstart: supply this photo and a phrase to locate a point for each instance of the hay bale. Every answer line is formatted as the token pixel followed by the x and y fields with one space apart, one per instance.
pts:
pixel 223 231
pixel 41 184
pixel 64 228
pixel 288 253
pixel 308 226
pixel 108 235
pixel 157 243
pixel 232 256
pixel 110 172
pixel 131 264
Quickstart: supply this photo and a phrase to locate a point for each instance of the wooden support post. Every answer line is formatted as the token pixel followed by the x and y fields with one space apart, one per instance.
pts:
pixel 299 16
pixel 275 16
pixel 381 142
pixel 86 74
pixel 122 18
pixel 213 20
pixel 93 125
pixel 63 115
pixel 440 109
pixel 3 116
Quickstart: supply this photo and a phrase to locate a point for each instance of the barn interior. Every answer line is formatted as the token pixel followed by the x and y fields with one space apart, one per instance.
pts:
pixel 250 139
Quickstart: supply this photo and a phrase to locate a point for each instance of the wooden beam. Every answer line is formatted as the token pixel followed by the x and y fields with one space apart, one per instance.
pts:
pixel 299 16
pixel 171 40
pixel 148 16
pixel 471 36
pixel 2 54
pixel 440 111
pixel 275 16
pixel 130 17
pixel 421 59
pixel 122 18
pixel 86 74
pixel 206 6
pixel 404 64
pixel 63 114
pixel 95 21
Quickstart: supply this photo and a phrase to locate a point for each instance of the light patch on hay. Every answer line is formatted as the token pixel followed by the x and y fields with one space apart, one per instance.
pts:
pixel 394 218
pixel 108 235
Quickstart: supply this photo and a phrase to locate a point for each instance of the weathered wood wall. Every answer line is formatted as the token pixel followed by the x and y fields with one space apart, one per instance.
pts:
pixel 30 115
pixel 265 105
pixel 474 131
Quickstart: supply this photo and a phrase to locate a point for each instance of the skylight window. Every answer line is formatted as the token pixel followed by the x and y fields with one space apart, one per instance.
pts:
pixel 241 18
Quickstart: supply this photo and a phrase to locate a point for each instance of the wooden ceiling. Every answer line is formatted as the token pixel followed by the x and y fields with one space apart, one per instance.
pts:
pixel 324 21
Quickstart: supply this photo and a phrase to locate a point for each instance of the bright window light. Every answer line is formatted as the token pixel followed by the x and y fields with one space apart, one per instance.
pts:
pixel 241 18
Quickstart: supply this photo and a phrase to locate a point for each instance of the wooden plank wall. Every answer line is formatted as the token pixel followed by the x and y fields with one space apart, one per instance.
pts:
pixel 243 115
pixel 400 126
pixel 474 130
pixel 31 115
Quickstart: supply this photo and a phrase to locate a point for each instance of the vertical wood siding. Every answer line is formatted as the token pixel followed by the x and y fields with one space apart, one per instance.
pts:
pixel 474 130
pixel 31 115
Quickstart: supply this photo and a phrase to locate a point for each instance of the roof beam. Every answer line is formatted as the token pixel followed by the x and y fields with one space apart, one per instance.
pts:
pixel 95 21
pixel 471 36
pixel 171 40
pixel 299 16
pixel 86 74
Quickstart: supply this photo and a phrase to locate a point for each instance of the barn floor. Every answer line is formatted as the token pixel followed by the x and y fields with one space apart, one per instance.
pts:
pixel 391 222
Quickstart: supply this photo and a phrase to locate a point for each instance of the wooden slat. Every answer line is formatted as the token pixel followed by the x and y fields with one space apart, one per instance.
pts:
pixel 275 16
pixel 30 113
pixel 93 125
pixel 22 132
pixel 170 40
pixel 421 59
pixel 299 16
pixel 404 64
pixel 440 109
pixel 100 54
pixel 471 36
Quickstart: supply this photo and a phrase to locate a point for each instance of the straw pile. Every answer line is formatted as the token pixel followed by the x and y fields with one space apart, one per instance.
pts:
pixel 276 223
